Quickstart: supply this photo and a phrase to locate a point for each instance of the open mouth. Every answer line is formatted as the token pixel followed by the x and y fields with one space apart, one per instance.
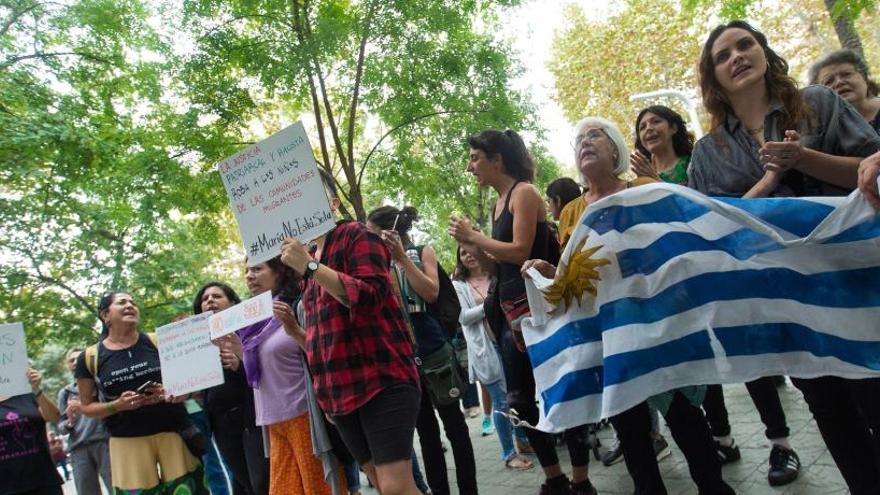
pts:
pixel 651 138
pixel 739 71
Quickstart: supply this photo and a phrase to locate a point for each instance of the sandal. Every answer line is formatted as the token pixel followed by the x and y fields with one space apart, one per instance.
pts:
pixel 524 448
pixel 519 463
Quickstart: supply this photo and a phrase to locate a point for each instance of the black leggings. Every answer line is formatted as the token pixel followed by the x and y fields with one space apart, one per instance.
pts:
pixel 764 396
pixel 241 446
pixel 521 396
pixel 432 450
pixel 847 413
pixel 690 432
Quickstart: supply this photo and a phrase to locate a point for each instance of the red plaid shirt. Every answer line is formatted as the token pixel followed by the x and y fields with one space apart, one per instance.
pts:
pixel 355 352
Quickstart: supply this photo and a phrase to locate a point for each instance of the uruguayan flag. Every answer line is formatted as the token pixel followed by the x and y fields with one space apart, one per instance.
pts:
pixel 697 290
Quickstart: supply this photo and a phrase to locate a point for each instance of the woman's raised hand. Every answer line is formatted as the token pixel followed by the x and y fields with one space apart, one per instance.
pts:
pixel 642 165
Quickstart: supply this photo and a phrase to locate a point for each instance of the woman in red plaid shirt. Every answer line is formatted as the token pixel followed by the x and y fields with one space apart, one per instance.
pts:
pixel 359 348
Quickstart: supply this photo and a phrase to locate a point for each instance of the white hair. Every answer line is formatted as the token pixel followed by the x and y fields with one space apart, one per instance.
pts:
pixel 622 165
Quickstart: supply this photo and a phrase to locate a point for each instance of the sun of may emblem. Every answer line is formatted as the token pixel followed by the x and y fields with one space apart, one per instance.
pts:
pixel 577 277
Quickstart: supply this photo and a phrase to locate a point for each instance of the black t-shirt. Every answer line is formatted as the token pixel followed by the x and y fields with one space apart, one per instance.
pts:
pixel 128 369
pixel 25 462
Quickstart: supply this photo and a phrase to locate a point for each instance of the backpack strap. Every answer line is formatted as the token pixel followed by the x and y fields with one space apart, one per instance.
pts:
pixel 92 360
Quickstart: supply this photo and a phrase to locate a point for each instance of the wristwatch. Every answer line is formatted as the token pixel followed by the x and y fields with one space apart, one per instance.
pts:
pixel 311 268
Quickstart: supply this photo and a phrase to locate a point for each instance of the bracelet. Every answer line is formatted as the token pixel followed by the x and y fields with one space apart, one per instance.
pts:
pixel 38 393
pixel 111 408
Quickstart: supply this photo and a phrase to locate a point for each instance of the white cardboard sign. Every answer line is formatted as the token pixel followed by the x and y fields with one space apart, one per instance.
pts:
pixel 190 362
pixel 248 312
pixel 13 360
pixel 276 193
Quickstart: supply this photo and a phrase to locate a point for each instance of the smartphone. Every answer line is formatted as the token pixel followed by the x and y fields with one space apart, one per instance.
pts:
pixel 145 389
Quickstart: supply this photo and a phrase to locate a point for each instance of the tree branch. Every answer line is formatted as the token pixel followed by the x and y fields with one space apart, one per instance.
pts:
pixel 16 15
pixel 44 55
pixel 359 71
pixel 53 281
pixel 404 124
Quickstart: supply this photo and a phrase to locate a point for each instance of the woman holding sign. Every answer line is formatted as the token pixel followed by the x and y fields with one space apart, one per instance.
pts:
pixel 26 467
pixel 230 406
pixel 275 368
pixel 119 381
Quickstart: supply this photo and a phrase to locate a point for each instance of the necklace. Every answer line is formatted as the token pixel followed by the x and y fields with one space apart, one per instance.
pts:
pixel 476 289
pixel 758 130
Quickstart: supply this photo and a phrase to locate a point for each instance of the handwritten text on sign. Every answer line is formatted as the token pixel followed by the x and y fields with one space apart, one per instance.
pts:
pixel 276 193
pixel 190 362
pixel 257 308
pixel 13 360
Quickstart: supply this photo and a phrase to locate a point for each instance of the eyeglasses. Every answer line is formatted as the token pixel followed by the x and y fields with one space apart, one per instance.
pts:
pixel 591 135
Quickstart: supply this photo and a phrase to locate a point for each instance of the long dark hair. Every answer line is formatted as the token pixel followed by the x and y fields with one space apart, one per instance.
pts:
pixel 227 290
pixel 391 218
pixel 289 282
pixel 461 272
pixel 682 140
pixel 515 157
pixel 779 84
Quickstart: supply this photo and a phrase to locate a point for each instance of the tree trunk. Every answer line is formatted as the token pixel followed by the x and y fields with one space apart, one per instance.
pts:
pixel 846 31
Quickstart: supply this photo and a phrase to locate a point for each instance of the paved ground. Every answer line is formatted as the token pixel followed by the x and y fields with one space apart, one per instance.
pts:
pixel 819 475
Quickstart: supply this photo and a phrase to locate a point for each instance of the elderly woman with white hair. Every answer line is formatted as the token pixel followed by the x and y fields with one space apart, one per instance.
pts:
pixel 602 158
pixel 608 159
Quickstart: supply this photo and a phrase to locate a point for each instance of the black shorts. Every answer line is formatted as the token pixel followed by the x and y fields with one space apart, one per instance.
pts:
pixel 381 431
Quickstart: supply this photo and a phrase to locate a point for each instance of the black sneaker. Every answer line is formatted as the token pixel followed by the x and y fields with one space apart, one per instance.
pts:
pixel 583 488
pixel 556 486
pixel 727 453
pixel 613 456
pixel 785 465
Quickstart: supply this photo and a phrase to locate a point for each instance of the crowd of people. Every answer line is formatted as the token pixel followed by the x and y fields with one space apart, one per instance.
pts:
pixel 362 349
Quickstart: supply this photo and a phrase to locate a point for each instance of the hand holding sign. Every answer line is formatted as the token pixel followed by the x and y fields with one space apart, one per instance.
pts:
pixel 190 362
pixel 276 193
pixel 248 312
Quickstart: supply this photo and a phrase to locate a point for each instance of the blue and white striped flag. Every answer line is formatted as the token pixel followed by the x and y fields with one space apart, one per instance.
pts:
pixel 698 290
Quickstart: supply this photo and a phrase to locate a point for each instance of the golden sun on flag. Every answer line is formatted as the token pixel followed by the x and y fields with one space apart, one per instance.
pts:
pixel 577 277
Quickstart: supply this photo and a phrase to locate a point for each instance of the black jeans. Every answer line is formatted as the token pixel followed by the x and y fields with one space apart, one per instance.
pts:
pixel 847 413
pixel 241 447
pixel 690 432
pixel 432 450
pixel 520 380
pixel 764 396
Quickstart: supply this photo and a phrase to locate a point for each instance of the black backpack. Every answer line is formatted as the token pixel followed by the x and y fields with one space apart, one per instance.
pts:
pixel 446 309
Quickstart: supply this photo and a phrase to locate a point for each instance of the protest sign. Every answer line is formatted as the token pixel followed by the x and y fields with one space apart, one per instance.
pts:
pixel 257 308
pixel 190 362
pixel 276 193
pixel 13 360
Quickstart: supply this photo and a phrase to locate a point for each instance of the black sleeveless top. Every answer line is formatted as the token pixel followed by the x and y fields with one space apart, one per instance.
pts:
pixel 545 247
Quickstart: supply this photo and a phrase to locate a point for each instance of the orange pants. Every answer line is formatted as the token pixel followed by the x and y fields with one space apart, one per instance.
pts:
pixel 293 467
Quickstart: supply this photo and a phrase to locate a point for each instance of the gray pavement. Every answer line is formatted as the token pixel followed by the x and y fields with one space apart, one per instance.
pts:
pixel 819 475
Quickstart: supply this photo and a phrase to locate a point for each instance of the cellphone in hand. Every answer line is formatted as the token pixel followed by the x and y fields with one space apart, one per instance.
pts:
pixel 146 388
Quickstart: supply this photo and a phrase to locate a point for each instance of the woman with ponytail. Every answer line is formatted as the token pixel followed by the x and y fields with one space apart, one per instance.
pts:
pixel 520 232
pixel 417 274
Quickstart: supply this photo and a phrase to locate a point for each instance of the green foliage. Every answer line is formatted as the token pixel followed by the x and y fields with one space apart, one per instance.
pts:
pixel 598 65
pixel 391 90
pixel 102 186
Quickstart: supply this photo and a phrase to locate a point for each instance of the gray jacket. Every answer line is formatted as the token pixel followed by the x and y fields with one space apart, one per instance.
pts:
pixel 85 430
